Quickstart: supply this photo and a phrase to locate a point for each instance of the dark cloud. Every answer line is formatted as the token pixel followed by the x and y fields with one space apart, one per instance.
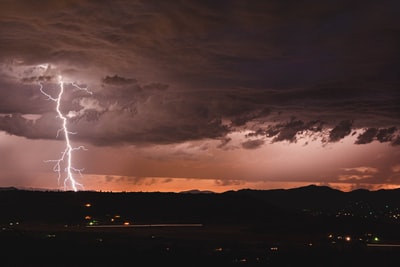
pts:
pixel 386 135
pixel 23 99
pixel 367 137
pixel 131 180
pixel 292 130
pixel 42 128
pixel 224 142
pixel 229 182
pixel 117 80
pixel 203 69
pixel 241 119
pixel 382 135
pixel 289 131
pixel 340 131
pixel 135 114
pixel 253 144
pixel 37 79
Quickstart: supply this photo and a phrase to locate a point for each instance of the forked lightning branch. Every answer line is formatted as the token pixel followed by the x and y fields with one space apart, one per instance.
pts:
pixel 63 166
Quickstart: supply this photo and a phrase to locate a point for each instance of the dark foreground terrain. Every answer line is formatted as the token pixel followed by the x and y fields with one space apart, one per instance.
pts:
pixel 311 226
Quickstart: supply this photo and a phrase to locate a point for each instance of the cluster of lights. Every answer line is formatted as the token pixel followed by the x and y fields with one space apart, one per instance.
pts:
pixel 114 220
pixel 347 238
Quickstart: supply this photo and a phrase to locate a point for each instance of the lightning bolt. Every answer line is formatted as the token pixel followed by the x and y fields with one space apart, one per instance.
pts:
pixel 66 155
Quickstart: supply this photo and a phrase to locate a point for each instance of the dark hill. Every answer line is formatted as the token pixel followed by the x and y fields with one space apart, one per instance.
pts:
pixel 307 226
pixel 139 207
pixel 294 208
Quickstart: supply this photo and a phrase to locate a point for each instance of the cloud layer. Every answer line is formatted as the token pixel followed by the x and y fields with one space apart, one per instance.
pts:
pixel 165 73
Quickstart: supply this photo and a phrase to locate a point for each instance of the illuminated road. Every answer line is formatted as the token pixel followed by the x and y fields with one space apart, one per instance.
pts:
pixel 147 225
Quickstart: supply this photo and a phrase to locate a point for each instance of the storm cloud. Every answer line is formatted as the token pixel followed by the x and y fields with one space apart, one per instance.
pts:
pixel 165 73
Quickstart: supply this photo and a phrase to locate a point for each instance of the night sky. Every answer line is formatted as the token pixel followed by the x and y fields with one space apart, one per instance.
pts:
pixel 210 95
